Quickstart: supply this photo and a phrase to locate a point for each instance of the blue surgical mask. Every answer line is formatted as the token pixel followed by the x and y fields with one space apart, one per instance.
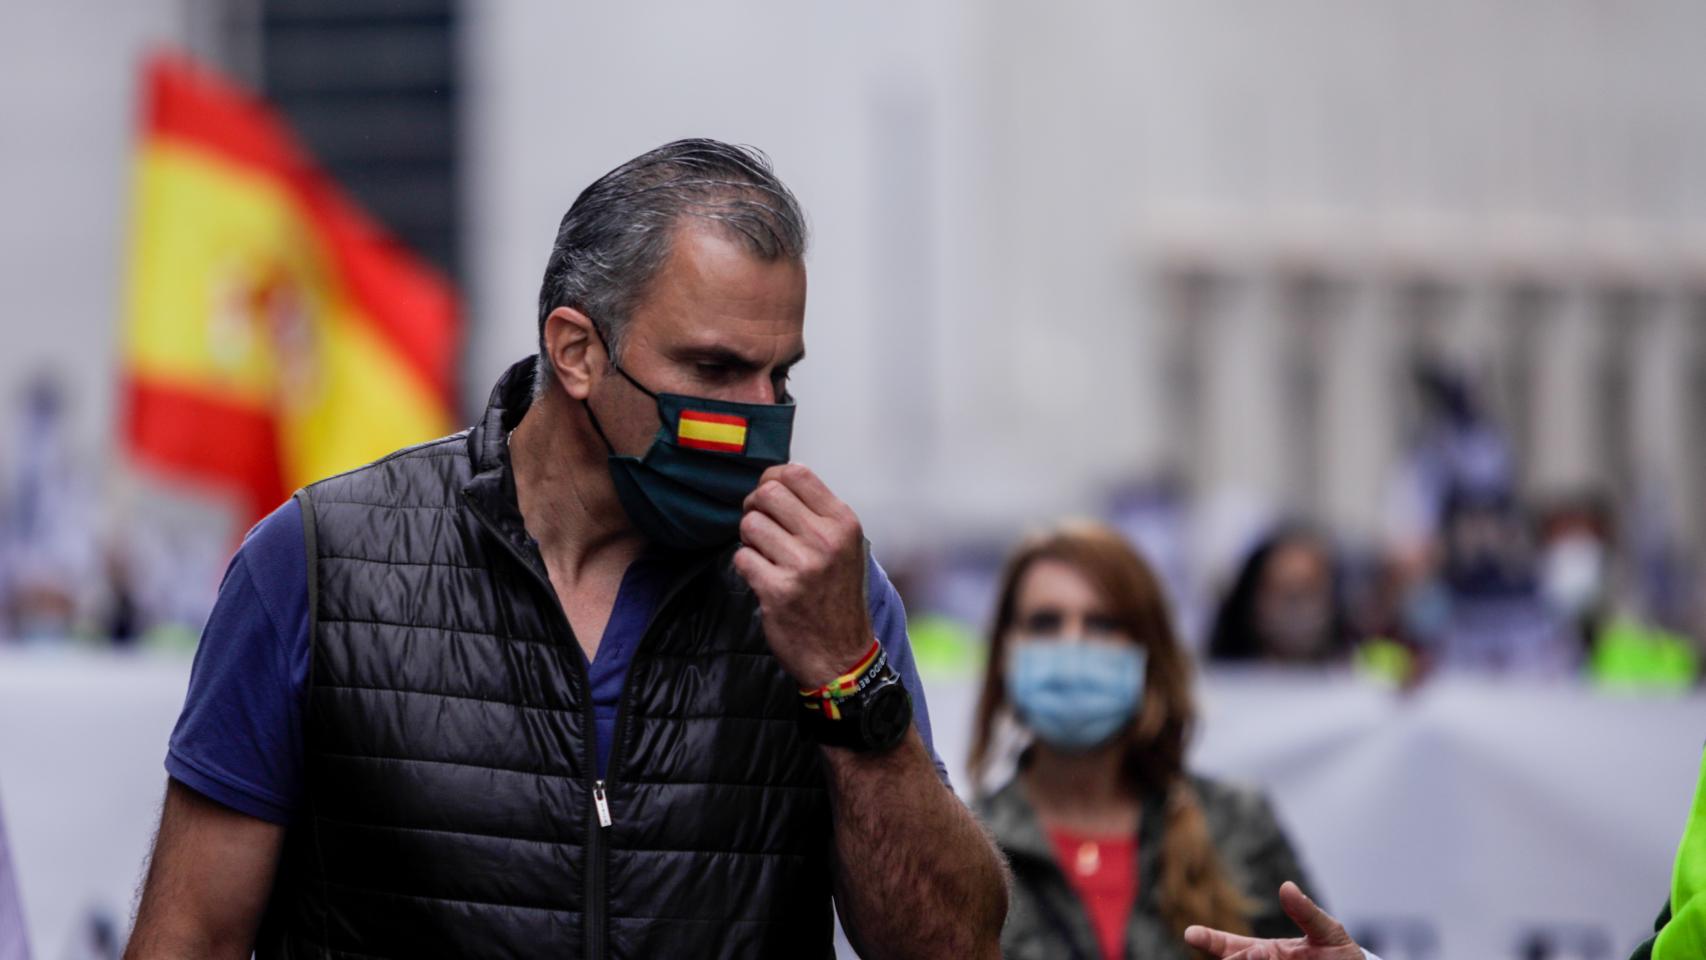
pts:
pixel 1076 694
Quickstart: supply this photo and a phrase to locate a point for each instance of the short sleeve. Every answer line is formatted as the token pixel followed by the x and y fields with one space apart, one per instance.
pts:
pixel 888 619
pixel 238 740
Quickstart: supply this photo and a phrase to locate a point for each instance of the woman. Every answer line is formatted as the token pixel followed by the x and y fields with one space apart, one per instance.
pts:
pixel 1284 606
pixel 1115 848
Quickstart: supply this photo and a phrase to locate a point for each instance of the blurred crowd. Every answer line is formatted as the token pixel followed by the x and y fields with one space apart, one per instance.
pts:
pixel 79 561
pixel 1473 574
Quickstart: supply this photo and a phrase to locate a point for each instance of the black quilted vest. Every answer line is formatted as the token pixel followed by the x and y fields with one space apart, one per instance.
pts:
pixel 450 767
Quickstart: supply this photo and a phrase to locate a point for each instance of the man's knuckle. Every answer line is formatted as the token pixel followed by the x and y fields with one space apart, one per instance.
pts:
pixel 847 531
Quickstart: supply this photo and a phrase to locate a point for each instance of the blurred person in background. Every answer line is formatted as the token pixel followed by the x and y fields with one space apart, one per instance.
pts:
pixel 1284 607
pixel 1115 846
pixel 1484 609
pixel 1614 609
pixel 605 675
pixel 47 535
pixel 1574 544
pixel 1456 445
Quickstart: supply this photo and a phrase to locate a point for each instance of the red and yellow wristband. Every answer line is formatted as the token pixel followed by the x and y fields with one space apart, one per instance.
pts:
pixel 826 697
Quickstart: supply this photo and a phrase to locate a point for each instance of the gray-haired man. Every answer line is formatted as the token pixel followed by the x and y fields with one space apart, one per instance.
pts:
pixel 510 693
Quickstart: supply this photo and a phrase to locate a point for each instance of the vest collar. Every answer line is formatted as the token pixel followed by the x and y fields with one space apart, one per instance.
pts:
pixel 488 442
pixel 491 491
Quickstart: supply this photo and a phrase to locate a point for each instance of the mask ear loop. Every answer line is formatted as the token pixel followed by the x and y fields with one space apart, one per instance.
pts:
pixel 609 354
pixel 598 331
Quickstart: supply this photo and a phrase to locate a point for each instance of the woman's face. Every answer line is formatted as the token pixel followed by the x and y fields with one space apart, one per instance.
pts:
pixel 1294 603
pixel 1073 676
pixel 1056 602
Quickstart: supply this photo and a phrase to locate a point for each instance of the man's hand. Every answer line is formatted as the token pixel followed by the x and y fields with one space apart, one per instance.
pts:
pixel 1323 939
pixel 803 553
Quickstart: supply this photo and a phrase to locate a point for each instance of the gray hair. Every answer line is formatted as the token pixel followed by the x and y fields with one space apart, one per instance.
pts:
pixel 617 235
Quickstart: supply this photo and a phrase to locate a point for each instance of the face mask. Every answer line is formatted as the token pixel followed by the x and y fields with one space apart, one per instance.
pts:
pixel 1572 574
pixel 1076 695
pixel 1294 626
pixel 686 490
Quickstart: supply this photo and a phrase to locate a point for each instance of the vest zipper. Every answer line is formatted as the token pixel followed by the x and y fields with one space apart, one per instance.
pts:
pixel 602 804
pixel 598 853
pixel 593 909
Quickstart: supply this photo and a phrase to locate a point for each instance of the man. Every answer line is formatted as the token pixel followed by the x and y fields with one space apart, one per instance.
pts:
pixel 595 678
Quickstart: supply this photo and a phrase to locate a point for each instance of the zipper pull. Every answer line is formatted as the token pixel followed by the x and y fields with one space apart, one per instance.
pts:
pixel 603 804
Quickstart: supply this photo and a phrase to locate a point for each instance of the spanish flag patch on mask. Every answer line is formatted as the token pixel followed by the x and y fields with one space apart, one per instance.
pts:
pixel 721 432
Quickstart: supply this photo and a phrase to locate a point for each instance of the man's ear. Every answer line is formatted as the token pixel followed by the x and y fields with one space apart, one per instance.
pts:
pixel 574 348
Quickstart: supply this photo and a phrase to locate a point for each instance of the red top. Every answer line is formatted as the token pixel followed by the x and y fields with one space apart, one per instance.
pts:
pixel 1103 872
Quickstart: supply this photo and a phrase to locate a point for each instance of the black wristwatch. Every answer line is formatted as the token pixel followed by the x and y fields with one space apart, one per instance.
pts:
pixel 872 719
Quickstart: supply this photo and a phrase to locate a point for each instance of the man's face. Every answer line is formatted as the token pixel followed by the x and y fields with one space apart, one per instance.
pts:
pixel 716 322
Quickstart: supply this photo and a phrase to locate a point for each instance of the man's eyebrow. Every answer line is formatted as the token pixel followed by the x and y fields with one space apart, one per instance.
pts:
pixel 727 357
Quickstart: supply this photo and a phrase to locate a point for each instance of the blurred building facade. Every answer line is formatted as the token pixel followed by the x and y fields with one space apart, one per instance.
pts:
pixel 1060 249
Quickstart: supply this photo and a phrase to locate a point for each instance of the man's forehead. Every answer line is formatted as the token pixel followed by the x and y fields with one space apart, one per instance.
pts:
pixel 713 301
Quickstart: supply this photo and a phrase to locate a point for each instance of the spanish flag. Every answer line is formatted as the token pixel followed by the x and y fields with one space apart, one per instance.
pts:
pixel 722 432
pixel 274 334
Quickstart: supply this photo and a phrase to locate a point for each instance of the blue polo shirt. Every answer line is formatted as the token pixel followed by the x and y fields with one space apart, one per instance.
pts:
pixel 239 738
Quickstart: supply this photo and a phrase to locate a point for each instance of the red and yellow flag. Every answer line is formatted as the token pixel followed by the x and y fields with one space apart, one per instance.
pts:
pixel 274 333
pixel 723 432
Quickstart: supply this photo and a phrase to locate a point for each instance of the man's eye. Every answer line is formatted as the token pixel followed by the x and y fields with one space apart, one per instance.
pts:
pixel 712 371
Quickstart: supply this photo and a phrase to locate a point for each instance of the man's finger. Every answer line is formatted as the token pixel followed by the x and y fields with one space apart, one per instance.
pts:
pixel 783 505
pixel 812 491
pixel 1261 950
pixel 754 569
pixel 763 577
pixel 761 532
pixel 1218 942
pixel 1321 929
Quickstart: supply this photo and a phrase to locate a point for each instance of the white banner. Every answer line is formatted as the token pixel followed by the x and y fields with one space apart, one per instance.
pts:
pixel 1474 820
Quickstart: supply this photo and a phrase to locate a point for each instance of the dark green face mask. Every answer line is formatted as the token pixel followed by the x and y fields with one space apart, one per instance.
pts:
pixel 686 490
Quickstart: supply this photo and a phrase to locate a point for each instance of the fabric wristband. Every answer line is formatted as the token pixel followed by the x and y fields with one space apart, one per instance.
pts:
pixel 824 698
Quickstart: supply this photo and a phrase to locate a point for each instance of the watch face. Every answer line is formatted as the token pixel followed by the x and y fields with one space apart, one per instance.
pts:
pixel 886 716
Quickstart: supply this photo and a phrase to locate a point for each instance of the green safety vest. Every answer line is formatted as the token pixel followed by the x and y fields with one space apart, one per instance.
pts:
pixel 1682 926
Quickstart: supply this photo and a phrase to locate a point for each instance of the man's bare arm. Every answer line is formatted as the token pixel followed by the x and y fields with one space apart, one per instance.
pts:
pixel 916 876
pixel 208 880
